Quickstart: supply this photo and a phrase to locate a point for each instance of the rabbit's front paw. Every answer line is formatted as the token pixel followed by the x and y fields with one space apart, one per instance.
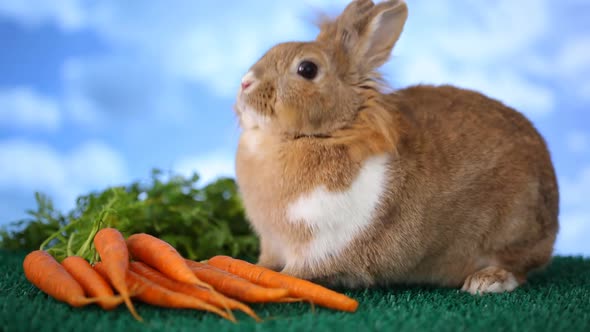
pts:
pixel 297 272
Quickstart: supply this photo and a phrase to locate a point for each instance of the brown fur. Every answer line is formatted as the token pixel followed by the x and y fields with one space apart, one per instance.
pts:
pixel 470 181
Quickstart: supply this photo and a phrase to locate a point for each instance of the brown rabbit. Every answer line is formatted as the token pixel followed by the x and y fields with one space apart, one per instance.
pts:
pixel 346 185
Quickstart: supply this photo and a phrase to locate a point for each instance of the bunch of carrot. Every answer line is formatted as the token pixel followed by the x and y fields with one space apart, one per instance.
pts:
pixel 150 270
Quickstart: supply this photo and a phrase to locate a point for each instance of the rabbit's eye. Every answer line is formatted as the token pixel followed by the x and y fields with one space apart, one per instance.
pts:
pixel 307 70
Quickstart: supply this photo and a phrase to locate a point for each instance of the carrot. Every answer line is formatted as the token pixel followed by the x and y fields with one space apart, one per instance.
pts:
pixel 162 256
pixel 43 271
pixel 189 289
pixel 154 294
pixel 234 286
pixel 290 300
pixel 112 249
pixel 93 283
pixel 298 288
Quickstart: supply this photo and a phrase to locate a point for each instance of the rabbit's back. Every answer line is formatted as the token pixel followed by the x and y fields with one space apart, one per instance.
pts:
pixel 482 178
pixel 467 135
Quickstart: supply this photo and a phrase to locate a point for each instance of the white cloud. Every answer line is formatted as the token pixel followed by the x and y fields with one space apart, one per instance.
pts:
pixel 82 110
pixel 120 87
pixel 575 191
pixel 23 108
pixel 482 34
pixel 572 66
pixel 193 43
pixel 566 66
pixel 67 14
pixel 575 216
pixel 583 90
pixel 94 164
pixel 209 166
pixel 534 100
pixel 530 98
pixel 27 166
pixel 159 52
pixel 79 106
pixel 572 238
pixel 201 55
pixel 196 44
pixel 214 46
pixel 486 48
pixel 573 58
pixel 578 141
pixel 196 41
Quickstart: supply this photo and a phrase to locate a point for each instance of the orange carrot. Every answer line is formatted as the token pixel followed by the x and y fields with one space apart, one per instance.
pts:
pixel 113 252
pixel 290 300
pixel 234 286
pixel 154 294
pixel 189 289
pixel 298 288
pixel 43 271
pixel 92 282
pixel 163 257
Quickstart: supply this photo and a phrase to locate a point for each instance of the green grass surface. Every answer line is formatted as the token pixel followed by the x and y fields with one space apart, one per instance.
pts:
pixel 557 299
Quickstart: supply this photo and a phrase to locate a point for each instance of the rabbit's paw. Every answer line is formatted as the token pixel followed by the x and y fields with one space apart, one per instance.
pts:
pixel 491 279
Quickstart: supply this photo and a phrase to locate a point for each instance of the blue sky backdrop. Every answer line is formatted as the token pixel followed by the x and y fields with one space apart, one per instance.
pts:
pixel 96 93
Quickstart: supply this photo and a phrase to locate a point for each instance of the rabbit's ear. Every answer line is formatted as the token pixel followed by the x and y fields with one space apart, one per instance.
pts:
pixel 355 11
pixel 365 33
pixel 345 28
pixel 379 34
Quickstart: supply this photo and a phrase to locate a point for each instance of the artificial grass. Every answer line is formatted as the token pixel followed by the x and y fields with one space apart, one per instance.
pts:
pixel 557 299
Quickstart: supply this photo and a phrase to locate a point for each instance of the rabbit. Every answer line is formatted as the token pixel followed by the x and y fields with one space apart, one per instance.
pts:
pixel 350 185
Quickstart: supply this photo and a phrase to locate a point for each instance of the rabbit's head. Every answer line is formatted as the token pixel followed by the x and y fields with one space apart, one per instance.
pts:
pixel 313 88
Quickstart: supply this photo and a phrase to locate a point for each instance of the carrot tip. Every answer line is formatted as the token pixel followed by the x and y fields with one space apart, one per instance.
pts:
pixel 131 308
pixel 253 315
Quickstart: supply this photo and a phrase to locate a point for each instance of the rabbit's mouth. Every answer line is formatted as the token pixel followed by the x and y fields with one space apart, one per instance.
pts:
pixel 249 117
pixel 253 118
pixel 312 136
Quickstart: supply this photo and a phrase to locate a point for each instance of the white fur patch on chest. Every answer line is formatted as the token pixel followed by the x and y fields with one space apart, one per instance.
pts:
pixel 335 218
pixel 251 139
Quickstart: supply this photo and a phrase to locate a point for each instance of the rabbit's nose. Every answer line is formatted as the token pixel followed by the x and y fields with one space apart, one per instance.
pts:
pixel 248 80
pixel 246 84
